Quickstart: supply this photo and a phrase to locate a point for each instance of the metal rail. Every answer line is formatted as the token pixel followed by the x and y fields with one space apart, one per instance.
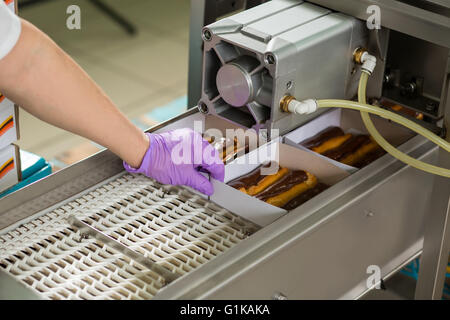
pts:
pixel 90 231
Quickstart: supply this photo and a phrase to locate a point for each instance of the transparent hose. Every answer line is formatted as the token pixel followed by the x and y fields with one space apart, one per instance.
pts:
pixel 366 109
pixel 386 145
pixel 387 115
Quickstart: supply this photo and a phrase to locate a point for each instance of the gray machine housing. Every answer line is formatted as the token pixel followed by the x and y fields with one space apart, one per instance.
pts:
pixel 254 58
pixel 386 214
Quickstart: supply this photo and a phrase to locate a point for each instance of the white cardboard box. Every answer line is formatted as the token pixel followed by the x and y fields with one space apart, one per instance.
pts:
pixel 9 129
pixel 248 207
pixel 259 211
pixel 9 167
pixel 349 121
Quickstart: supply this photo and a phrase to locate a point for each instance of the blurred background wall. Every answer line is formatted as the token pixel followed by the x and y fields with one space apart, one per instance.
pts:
pixel 144 73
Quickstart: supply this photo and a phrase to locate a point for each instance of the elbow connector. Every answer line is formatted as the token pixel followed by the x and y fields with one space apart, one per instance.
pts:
pixel 290 104
pixel 367 60
pixel 302 107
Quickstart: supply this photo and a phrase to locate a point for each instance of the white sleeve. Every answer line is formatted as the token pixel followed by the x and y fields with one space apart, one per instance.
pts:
pixel 9 29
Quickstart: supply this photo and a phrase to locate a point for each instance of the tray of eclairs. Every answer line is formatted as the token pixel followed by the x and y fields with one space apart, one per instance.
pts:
pixel 341 137
pixel 285 181
pixel 353 149
pixel 286 188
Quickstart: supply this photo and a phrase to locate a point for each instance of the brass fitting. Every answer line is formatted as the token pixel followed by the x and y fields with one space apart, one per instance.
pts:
pixel 284 103
pixel 357 54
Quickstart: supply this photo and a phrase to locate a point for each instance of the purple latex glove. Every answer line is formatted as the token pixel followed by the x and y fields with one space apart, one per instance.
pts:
pixel 176 157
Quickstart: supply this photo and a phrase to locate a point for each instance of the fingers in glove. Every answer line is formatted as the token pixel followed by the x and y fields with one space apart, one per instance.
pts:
pixel 199 182
pixel 212 163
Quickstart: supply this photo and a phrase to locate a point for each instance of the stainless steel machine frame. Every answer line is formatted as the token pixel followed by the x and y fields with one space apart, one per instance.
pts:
pixel 254 58
pixel 321 250
pixel 384 215
pixel 428 20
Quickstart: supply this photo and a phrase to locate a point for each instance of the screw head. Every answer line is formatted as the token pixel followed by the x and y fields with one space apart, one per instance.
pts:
pixel 270 59
pixel 202 107
pixel 206 34
pixel 369 214
pixel 289 85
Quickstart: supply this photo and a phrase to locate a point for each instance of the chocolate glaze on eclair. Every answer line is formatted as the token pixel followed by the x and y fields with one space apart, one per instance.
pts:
pixel 305 196
pixel 348 147
pixel 250 179
pixel 287 182
pixel 322 136
pixel 280 188
pixel 369 158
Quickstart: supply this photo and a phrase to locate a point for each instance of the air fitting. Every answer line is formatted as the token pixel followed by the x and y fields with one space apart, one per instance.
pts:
pixel 362 56
pixel 284 102
pixel 358 53
pixel 290 104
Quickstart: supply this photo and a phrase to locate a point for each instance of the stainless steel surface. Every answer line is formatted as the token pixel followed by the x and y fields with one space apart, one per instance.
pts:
pixel 437 229
pixel 392 274
pixel 235 84
pixel 15 289
pixel 87 230
pixel 399 16
pixel 204 12
pixel 196 24
pixel 292 255
pixel 382 215
pixel 322 249
pixel 278 48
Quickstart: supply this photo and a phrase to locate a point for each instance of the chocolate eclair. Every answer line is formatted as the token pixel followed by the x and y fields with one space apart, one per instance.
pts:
pixel 305 196
pixel 330 138
pixel 346 148
pixel 283 189
pixel 254 182
pixel 228 148
pixel 287 188
pixel 322 136
pixel 369 158
pixel 354 150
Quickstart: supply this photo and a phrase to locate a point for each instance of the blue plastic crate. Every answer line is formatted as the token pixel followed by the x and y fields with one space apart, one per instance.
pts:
pixel 33 168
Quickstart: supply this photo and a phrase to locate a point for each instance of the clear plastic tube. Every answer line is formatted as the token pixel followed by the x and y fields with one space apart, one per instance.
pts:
pixel 365 109
pixel 330 103
pixel 386 145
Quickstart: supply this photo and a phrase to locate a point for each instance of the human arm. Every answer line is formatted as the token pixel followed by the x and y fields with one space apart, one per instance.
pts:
pixel 41 78
pixel 45 81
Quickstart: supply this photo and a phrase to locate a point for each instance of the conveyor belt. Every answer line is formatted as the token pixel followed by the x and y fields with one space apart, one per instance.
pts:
pixel 178 230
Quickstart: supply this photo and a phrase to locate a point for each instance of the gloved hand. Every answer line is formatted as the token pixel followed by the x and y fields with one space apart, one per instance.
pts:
pixel 176 157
